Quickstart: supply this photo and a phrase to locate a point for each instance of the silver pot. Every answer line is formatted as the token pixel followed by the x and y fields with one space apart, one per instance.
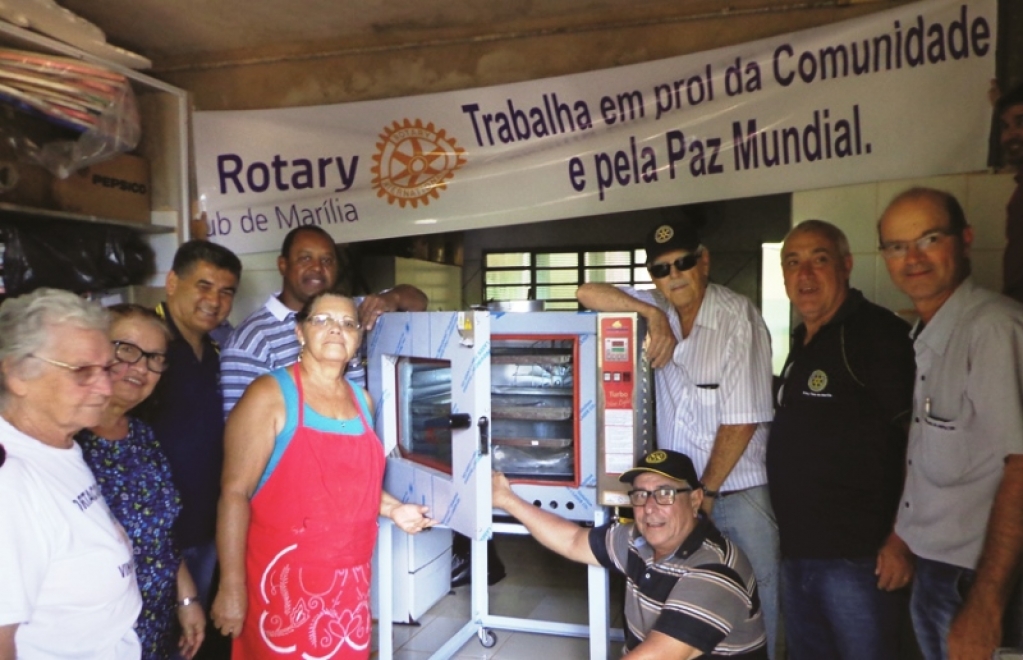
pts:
pixel 515 306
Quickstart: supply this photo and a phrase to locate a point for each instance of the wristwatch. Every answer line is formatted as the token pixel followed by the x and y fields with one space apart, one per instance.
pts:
pixel 185 602
pixel 707 492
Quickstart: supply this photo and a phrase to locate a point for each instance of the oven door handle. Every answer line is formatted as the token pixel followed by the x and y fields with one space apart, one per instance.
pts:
pixel 484 426
pixel 457 421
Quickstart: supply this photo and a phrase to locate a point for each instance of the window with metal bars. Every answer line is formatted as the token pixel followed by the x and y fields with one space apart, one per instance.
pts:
pixel 553 276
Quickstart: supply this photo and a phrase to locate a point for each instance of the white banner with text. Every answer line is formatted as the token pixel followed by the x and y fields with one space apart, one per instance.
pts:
pixel 897 94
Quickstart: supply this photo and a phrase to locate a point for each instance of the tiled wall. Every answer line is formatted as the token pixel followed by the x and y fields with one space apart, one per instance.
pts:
pixel 856 209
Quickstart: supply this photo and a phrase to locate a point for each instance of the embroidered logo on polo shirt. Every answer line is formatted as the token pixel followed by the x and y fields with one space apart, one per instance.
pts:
pixel 663 234
pixel 818 381
pixel 414 162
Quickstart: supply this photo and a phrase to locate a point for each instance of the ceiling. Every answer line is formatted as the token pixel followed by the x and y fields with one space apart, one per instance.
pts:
pixel 179 33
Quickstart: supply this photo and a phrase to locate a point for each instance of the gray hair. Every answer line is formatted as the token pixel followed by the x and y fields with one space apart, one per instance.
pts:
pixel 825 229
pixel 26 323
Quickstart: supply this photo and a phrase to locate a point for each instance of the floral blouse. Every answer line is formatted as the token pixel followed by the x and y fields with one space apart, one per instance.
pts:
pixel 136 482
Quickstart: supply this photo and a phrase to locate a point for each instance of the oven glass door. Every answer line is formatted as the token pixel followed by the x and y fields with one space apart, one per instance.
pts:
pixel 424 412
pixel 534 400
pixel 429 374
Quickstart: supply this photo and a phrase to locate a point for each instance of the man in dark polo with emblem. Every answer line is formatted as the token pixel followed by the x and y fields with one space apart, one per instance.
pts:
pixel 835 458
pixel 690 591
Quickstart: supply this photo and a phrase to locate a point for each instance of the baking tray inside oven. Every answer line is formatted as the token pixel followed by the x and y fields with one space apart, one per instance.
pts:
pixel 532 355
pixel 543 407
pixel 534 463
pixel 532 438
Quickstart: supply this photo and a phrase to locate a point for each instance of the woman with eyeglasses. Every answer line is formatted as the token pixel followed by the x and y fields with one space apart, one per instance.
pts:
pixel 67 575
pixel 136 481
pixel 300 497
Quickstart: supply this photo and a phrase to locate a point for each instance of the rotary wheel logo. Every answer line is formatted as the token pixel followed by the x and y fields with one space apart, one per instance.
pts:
pixel 663 234
pixel 818 381
pixel 657 457
pixel 414 162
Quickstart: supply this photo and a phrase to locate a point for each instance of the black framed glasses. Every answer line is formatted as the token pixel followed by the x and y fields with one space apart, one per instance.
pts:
pixel 129 353
pixel 84 374
pixel 682 264
pixel 664 495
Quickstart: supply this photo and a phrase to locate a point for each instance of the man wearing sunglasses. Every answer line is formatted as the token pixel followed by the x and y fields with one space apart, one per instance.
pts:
pixel 961 512
pixel 689 589
pixel 711 355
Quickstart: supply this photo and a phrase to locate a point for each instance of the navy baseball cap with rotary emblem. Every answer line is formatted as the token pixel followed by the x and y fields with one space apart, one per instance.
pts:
pixel 670 237
pixel 666 463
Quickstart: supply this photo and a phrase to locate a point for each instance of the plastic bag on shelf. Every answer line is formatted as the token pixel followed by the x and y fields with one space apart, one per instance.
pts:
pixel 79 258
pixel 93 108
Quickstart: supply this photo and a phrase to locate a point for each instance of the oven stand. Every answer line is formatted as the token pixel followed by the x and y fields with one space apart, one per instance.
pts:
pixel 482 624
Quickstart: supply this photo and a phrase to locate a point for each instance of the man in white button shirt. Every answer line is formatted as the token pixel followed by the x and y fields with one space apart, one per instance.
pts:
pixel 711 355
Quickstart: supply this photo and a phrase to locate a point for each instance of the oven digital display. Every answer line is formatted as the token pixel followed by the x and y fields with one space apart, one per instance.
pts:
pixel 616 349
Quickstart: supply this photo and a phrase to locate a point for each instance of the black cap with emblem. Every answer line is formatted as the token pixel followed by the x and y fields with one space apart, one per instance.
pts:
pixel 667 463
pixel 670 237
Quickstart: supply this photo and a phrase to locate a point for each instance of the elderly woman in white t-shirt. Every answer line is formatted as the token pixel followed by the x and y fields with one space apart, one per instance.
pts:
pixel 66 566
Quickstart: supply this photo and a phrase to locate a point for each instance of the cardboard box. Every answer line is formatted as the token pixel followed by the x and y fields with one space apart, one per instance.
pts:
pixel 117 189
pixel 25 185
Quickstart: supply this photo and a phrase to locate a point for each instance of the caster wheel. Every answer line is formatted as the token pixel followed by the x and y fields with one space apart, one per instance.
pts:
pixel 487 638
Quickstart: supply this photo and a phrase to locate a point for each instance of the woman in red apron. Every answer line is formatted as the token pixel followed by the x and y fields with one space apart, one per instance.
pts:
pixel 302 490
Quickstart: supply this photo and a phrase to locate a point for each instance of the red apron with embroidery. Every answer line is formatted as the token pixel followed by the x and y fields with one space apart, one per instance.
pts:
pixel 311 534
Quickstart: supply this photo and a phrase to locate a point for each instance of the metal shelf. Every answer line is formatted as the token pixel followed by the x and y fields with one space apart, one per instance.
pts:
pixel 28 213
pixel 164 112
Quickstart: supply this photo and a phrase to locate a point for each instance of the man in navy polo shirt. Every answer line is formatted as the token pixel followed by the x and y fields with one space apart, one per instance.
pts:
pixel 186 408
pixel 835 458
pixel 690 591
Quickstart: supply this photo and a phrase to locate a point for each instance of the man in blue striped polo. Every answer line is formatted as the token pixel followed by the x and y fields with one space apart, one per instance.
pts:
pixel 266 339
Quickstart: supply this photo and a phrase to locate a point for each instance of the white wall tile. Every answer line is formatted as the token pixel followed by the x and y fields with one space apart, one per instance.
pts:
pixel 987 268
pixel 260 278
pixel 953 183
pixel 863 275
pixel 853 208
pixel 983 196
pixel 986 199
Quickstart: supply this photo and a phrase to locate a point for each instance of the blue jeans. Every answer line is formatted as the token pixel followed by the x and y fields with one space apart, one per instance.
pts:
pixel 939 590
pixel 202 561
pixel 746 517
pixel 833 609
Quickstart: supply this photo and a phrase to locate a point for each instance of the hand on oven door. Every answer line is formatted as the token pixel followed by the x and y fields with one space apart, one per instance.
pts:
pixel 412 518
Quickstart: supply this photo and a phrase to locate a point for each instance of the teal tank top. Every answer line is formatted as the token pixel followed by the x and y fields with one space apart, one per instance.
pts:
pixel 313 420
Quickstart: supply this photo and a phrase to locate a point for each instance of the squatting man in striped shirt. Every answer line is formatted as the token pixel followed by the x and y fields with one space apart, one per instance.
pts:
pixel 690 591
pixel 711 355
pixel 266 339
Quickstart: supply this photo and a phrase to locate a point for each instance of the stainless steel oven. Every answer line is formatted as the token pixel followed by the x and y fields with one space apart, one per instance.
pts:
pixel 564 400
pixel 561 402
